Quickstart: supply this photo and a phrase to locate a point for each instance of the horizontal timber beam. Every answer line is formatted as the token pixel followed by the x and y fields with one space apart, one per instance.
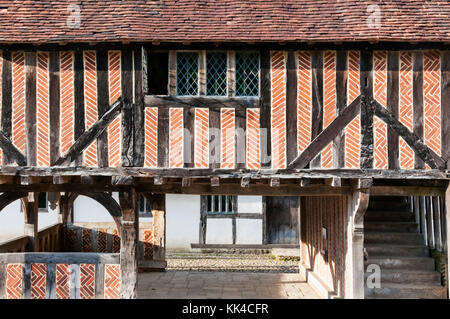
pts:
pixel 406 191
pixel 200 101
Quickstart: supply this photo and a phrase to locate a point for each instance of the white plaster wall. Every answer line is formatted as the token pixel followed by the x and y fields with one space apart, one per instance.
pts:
pixel 12 221
pixel 248 231
pixel 87 210
pixel 249 204
pixel 219 231
pixel 182 221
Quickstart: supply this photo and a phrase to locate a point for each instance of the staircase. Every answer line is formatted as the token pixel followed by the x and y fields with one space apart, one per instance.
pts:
pixel 393 241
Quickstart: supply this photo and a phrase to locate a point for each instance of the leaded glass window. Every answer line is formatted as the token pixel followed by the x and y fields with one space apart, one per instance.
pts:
pixel 219 204
pixel 216 73
pixel 247 74
pixel 187 73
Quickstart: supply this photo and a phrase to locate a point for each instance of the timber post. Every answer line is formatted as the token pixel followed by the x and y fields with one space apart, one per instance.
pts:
pixel 128 230
pixel 355 231
pixel 447 223
pixel 158 207
pixel 31 227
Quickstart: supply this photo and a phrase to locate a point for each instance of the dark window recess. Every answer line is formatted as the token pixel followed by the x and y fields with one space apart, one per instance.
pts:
pixel 216 74
pixel 158 73
pixel 144 207
pixel 247 74
pixel 219 204
pixel 187 73
pixel 42 201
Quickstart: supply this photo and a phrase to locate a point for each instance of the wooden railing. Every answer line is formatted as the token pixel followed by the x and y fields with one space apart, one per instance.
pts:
pixel 59 276
pixel 49 241
pixel 430 215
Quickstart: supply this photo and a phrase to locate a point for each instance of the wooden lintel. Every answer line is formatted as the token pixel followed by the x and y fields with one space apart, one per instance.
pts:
pixel 122 180
pixel 158 180
pixel 245 181
pixel 406 191
pixel 215 181
pixel 275 182
pixel 185 182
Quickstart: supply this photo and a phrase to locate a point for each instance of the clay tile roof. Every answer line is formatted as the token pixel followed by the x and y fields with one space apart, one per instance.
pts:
pixel 46 21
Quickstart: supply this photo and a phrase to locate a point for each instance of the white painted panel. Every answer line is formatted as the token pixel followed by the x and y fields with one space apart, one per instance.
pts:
pixel 182 221
pixel 87 210
pixel 249 204
pixel 248 231
pixel 219 231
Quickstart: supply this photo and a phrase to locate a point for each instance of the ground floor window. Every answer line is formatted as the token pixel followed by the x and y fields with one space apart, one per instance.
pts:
pixel 144 207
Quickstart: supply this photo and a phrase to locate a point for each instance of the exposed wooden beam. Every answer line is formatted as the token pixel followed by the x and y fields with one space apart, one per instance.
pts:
pixel 11 151
pixel 90 135
pixel 420 148
pixel 327 135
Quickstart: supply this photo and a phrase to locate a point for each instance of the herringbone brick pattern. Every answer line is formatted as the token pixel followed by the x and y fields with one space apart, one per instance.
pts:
pixel 14 275
pixel 67 100
pixel 1 94
pixel 62 281
pixel 101 241
pixel 38 281
pixel 42 110
pixel 304 100
pixel 278 114
pixel 114 131
pixel 406 154
pixel 116 242
pixel 112 281
pixel 148 244
pixel 201 133
pixel 90 103
pixel 380 94
pixel 87 281
pixel 18 101
pixel 86 240
pixel 227 127
pixel 253 139
pixel 353 129
pixel 329 102
pixel 432 100
pixel 176 137
pixel 151 137
pixel 70 239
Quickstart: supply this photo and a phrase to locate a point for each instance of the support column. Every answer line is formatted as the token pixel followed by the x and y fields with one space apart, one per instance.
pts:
pixel 158 206
pixel 128 230
pixel 447 223
pixel 30 213
pixel 355 240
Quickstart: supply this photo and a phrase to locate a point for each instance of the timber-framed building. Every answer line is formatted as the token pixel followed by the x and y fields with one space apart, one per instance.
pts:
pixel 343 104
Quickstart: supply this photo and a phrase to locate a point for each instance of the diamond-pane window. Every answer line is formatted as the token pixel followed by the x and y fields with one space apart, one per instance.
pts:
pixel 187 73
pixel 247 74
pixel 216 73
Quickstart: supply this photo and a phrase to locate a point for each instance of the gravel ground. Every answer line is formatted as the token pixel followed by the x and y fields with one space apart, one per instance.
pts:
pixel 229 262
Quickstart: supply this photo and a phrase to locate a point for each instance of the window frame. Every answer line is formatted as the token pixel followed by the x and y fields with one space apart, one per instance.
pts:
pixel 144 214
pixel 227 57
pixel 199 57
pixel 259 74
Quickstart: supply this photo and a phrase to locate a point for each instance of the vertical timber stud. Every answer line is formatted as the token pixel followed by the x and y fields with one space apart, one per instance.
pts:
pixel 445 104
pixel 291 106
pixel 54 109
pixel 127 109
pixel 128 243
pixel 367 112
pixel 6 98
pixel 341 103
pixel 317 101
pixel 265 89
pixel 418 103
pixel 355 256
pixel 30 114
pixel 79 99
pixel 393 107
pixel 103 104
pixel 30 209
pixel 139 116
pixel 158 207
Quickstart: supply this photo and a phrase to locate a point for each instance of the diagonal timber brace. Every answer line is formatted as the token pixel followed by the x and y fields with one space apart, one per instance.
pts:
pixel 90 135
pixel 11 151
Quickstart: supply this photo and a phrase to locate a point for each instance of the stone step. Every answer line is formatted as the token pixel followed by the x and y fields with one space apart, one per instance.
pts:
pixel 393 238
pixel 392 227
pixel 389 216
pixel 375 250
pixel 392 291
pixel 407 277
pixel 402 263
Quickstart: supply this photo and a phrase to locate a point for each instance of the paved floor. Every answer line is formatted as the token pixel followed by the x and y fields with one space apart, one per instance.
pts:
pixel 222 285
